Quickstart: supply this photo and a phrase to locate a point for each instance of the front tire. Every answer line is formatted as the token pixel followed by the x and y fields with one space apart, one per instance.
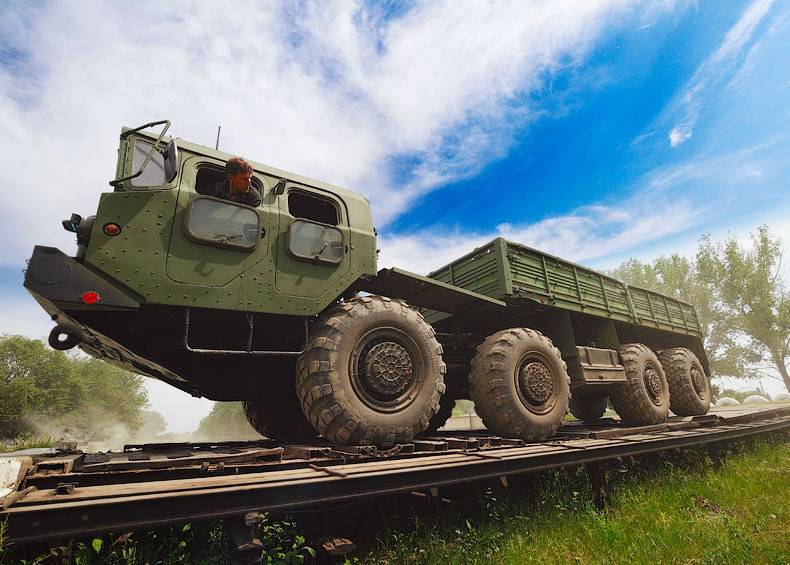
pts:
pixel 277 413
pixel 520 384
pixel 372 373
pixel 644 399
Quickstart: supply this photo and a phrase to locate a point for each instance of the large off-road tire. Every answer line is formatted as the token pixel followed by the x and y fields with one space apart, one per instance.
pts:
pixel 519 384
pixel 372 373
pixel 588 408
pixel 644 399
pixel 446 405
pixel 689 386
pixel 277 414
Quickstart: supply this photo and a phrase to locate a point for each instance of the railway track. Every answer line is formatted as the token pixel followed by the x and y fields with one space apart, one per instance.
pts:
pixel 65 494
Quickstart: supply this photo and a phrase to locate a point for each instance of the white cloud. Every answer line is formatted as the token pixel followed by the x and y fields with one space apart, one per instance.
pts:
pixel 678 135
pixel 583 235
pixel 335 91
pixel 711 77
pixel 21 315
pixel 668 201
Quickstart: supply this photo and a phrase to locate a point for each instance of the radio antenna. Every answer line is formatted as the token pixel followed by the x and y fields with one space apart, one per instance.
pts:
pixel 219 129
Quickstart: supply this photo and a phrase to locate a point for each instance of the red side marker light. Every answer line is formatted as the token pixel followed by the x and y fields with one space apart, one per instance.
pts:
pixel 90 297
pixel 111 229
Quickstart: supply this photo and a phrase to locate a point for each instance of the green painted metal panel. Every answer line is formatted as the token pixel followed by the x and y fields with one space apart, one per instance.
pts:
pixel 480 271
pixel 299 277
pixel 506 269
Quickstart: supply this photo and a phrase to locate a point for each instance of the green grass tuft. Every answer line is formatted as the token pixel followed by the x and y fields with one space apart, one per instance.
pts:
pixel 27 443
pixel 739 513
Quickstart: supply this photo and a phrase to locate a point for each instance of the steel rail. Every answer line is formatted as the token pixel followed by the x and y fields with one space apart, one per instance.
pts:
pixel 45 516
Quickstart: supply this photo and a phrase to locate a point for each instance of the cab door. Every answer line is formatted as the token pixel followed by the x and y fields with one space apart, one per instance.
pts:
pixel 313 242
pixel 213 240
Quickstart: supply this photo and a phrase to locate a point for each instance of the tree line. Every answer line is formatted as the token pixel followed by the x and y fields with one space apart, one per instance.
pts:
pixel 44 392
pixel 740 298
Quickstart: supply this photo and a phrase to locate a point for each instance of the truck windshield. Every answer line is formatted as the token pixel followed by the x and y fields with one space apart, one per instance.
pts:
pixel 155 173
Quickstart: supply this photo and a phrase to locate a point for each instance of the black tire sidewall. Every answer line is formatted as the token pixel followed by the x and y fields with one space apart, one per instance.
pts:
pixel 522 422
pixel 684 400
pixel 430 361
pixel 632 400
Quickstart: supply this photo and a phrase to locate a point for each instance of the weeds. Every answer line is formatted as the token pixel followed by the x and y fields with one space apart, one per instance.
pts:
pixel 676 509
pixel 27 443
pixel 198 544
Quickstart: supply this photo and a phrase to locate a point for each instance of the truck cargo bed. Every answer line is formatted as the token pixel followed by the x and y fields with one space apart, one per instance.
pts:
pixel 513 272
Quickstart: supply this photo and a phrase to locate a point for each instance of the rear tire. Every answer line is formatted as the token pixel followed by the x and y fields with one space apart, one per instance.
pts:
pixel 644 399
pixel 689 386
pixel 372 373
pixel 278 415
pixel 520 384
pixel 588 408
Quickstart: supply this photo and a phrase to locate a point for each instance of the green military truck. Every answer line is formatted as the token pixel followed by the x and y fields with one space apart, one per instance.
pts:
pixel 282 306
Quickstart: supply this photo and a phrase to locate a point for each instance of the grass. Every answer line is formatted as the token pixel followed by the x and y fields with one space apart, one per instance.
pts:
pixel 183 544
pixel 686 512
pixel 27 443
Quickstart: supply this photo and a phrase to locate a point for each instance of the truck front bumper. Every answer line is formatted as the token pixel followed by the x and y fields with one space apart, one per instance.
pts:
pixel 67 284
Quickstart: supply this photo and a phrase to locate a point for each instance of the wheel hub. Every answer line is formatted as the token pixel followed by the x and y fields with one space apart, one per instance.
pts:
pixel 655 388
pixel 698 382
pixel 387 369
pixel 536 382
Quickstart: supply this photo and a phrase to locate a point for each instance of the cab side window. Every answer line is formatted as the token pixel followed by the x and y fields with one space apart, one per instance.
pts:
pixel 222 223
pixel 209 175
pixel 312 235
pixel 310 207
pixel 206 176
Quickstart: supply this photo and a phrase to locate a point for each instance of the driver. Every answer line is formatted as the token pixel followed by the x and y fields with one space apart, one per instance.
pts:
pixel 237 187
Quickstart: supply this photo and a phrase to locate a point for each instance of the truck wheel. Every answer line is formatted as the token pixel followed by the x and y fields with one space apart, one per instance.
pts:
pixel 644 399
pixel 278 414
pixel 588 408
pixel 689 386
pixel 372 373
pixel 520 384
pixel 446 405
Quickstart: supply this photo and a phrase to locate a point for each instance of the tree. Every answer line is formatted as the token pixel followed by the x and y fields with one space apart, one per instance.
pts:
pixel 678 277
pixel 751 304
pixel 43 391
pixel 226 421
pixel 743 307
pixel 153 425
pixel 740 395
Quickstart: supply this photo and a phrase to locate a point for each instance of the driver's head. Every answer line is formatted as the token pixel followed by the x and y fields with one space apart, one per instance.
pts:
pixel 239 174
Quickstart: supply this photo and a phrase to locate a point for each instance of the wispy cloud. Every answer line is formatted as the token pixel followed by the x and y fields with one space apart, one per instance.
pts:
pixel 679 134
pixel 670 200
pixel 680 117
pixel 339 91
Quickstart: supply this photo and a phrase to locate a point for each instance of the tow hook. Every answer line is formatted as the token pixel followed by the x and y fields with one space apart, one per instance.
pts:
pixel 62 339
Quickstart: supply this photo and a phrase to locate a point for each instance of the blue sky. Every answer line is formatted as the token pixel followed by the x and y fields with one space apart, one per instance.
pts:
pixel 597 131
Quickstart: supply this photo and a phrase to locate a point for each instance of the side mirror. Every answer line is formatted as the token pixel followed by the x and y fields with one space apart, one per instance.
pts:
pixel 72 223
pixel 171 161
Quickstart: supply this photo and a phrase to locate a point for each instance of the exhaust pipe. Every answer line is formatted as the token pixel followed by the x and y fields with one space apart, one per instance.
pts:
pixel 62 339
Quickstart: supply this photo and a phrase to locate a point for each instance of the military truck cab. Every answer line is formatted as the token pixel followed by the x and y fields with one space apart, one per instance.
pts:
pixel 161 252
